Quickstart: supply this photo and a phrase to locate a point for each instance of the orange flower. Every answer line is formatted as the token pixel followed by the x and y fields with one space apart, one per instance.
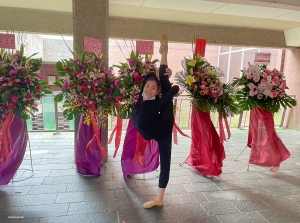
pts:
pixel 202 92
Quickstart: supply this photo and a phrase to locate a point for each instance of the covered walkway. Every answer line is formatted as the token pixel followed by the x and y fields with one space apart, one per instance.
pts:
pixel 56 193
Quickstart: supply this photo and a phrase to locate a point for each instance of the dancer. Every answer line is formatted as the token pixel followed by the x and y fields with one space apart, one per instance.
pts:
pixel 153 118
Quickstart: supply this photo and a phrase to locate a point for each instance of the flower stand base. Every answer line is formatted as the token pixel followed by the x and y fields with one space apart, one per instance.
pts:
pixel 206 152
pixel 267 148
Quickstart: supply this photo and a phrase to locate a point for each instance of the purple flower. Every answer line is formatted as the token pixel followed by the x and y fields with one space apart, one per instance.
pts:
pixel 17 55
pixel 80 75
pixel 99 59
pixel 28 95
pixel 76 60
pixel 13 71
pixel 116 83
pixel 65 85
pixel 132 61
pixel 106 72
pixel 27 80
pixel 40 76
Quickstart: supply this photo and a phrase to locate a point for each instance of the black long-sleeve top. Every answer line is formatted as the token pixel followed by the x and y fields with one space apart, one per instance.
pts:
pixel 154 118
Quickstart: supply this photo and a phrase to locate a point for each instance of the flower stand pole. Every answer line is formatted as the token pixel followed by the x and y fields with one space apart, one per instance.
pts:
pixel 267 148
pixel 88 159
pixel 149 160
pixel 13 142
pixel 206 151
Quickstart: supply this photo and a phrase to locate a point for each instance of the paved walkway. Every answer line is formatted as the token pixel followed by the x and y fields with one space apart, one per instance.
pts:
pixel 57 194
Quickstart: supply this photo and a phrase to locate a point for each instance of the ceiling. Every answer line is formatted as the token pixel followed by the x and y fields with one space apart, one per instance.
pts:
pixel 265 14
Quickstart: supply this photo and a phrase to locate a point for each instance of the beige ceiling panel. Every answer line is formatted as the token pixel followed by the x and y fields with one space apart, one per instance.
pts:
pixel 53 5
pixel 127 2
pixel 294 16
pixel 184 5
pixel 282 4
pixel 252 11
pixel 116 10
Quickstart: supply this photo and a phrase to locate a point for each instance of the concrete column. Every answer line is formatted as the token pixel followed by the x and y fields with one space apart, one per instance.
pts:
pixel 292 72
pixel 90 19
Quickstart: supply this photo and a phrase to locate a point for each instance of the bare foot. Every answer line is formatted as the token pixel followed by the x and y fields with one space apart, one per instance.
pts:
pixel 163 44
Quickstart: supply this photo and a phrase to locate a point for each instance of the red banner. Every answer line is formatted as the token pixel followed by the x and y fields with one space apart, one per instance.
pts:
pixel 200 47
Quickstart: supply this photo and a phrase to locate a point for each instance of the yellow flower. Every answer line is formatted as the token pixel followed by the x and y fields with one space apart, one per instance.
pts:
pixel 199 58
pixel 192 63
pixel 189 80
pixel 212 72
pixel 202 92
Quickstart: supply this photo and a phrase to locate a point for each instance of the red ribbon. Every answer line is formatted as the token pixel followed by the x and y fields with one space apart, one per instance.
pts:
pixel 118 131
pixel 221 128
pixel 175 138
pixel 140 147
pixel 96 134
pixel 175 129
pixel 5 138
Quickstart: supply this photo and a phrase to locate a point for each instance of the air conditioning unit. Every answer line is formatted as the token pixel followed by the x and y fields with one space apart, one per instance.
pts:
pixel 292 37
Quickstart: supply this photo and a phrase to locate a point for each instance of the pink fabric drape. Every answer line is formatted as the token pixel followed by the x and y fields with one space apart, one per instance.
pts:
pixel 206 151
pixel 267 148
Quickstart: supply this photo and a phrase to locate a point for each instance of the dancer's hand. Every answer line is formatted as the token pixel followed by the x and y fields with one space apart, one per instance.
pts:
pixel 168 72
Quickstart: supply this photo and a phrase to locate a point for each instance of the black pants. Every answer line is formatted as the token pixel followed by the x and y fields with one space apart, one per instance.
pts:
pixel 165 147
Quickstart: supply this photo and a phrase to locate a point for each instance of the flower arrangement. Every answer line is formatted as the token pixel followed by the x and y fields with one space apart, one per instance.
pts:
pixel 20 84
pixel 264 88
pixel 201 81
pixel 86 86
pixel 131 75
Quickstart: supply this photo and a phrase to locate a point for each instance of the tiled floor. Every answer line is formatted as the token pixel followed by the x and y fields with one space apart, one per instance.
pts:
pixel 56 193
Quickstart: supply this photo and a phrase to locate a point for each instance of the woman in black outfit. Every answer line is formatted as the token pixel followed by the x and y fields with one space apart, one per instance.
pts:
pixel 153 118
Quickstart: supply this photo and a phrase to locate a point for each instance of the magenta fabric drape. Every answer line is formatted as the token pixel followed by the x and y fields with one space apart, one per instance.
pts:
pixel 87 161
pixel 150 159
pixel 19 136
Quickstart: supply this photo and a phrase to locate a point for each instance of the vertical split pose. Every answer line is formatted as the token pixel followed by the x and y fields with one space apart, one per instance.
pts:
pixel 153 118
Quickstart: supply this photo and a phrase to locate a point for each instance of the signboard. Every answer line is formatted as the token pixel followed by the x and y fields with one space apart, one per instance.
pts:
pixel 92 45
pixel 7 41
pixel 200 47
pixel 262 58
pixel 145 47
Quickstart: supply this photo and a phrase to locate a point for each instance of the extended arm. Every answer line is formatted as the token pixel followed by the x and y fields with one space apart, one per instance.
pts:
pixel 164 101
pixel 164 79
